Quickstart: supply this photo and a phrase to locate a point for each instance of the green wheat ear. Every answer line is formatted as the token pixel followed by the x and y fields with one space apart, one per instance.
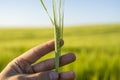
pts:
pixel 58 23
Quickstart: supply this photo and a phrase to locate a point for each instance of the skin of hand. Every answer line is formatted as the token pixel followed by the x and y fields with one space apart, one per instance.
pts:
pixel 22 67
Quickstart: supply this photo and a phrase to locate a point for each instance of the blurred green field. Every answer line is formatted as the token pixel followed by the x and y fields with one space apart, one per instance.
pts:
pixel 97 48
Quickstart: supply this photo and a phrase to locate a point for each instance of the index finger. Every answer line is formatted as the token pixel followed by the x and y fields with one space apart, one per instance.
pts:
pixel 37 52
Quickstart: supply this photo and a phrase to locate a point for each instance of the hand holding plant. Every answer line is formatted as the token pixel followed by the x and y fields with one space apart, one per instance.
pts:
pixel 22 67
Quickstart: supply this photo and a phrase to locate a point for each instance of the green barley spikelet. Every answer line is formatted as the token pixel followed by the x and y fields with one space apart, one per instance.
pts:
pixel 58 23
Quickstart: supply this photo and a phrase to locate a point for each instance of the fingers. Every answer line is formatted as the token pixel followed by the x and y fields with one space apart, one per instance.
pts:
pixel 67 76
pixel 50 63
pixel 49 75
pixel 37 52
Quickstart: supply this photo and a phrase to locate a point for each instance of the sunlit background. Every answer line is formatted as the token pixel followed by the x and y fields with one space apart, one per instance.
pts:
pixel 93 35
pixel 14 13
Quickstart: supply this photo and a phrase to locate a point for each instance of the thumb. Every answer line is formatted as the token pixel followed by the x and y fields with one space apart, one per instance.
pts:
pixel 49 75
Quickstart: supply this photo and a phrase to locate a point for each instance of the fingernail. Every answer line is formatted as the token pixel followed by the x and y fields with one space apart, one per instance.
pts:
pixel 53 75
pixel 61 42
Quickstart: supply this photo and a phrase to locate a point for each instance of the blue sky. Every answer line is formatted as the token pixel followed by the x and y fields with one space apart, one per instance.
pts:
pixel 77 12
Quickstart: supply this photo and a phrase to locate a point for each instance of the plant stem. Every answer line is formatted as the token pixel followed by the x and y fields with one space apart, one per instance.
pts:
pixel 57 36
pixel 58 23
pixel 57 47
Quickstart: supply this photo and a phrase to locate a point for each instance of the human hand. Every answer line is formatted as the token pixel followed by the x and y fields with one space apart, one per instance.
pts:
pixel 22 67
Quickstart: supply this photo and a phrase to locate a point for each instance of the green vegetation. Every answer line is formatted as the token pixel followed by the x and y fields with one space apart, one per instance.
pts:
pixel 58 23
pixel 97 48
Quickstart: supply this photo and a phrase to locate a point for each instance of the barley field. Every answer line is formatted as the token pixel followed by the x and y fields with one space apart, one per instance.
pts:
pixel 97 48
